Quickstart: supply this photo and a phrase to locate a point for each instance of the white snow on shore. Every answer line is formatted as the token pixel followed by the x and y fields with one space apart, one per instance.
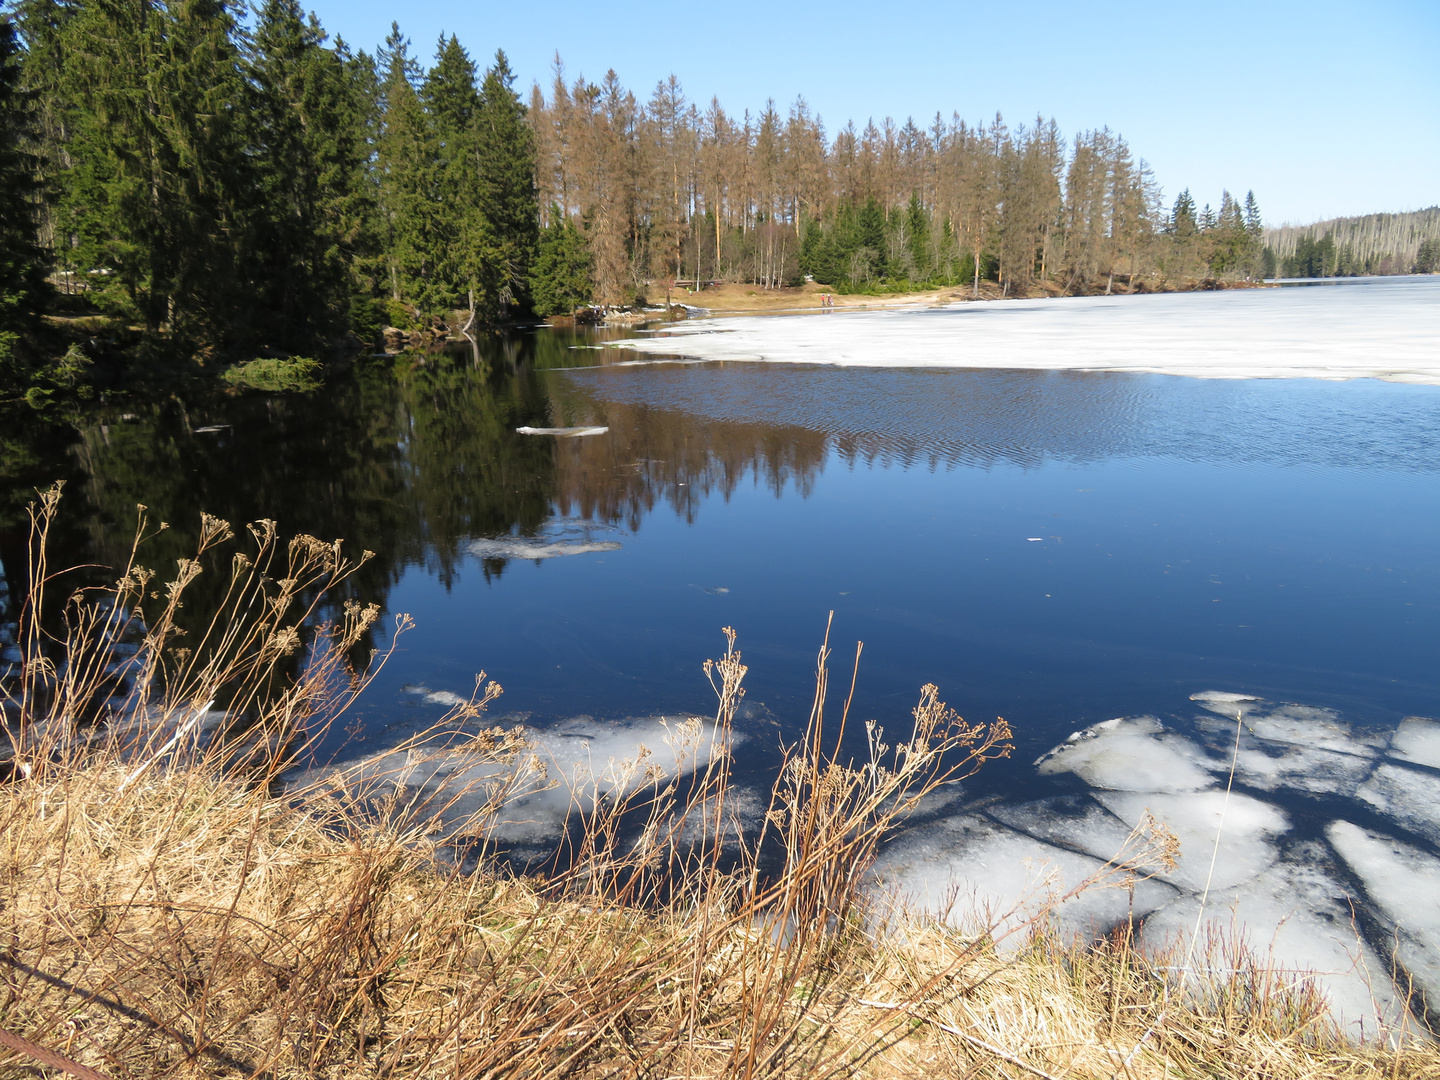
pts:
pixel 1384 329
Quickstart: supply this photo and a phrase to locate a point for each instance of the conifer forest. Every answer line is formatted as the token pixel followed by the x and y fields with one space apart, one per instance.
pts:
pixel 227 182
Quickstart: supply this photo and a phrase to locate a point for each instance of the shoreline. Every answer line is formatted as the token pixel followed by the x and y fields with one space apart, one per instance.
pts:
pixel 739 300
pixel 1384 331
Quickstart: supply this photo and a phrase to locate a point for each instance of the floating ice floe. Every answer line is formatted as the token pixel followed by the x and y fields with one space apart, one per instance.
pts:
pixel 1408 797
pixel 520 547
pixel 1296 918
pixel 564 432
pixel 434 697
pixel 1238 830
pixel 1135 754
pixel 1223 698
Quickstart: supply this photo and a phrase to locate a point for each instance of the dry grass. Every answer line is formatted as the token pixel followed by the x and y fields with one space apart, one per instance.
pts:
pixel 167 911
pixel 743 299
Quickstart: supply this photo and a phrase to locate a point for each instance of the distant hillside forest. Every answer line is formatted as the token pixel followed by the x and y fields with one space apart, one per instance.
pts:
pixel 1348 247
pixel 227 182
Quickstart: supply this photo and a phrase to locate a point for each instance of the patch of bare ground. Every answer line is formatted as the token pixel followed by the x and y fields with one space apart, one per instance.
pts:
pixel 743 299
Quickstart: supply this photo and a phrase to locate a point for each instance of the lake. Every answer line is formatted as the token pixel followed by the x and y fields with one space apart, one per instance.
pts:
pixel 1057 547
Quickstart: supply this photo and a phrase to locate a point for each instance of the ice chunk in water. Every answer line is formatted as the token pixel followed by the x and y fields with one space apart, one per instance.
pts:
pixel 575 764
pixel 1227 704
pixel 1296 747
pixel 564 432
pixel 1195 818
pixel 518 547
pixel 1417 739
pixel 1409 797
pixel 434 697
pixel 1274 767
pixel 1135 754
pixel 978 874
pixel 1321 729
pixel 1404 884
pixel 1075 822
pixel 1299 918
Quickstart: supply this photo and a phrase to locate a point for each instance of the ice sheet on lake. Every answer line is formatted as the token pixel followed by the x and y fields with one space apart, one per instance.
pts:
pixel 1387 332
pixel 1271 885
pixel 1246 842
pixel 1072 822
pixel 1404 884
pixel 1293 747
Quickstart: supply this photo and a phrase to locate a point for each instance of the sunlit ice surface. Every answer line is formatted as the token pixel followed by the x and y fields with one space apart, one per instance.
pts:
pixel 1383 328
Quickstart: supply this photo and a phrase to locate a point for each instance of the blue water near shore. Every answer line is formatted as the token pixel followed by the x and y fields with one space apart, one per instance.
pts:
pixel 1053 548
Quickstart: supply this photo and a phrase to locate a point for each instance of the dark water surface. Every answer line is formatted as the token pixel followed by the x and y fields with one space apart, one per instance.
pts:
pixel 1054 548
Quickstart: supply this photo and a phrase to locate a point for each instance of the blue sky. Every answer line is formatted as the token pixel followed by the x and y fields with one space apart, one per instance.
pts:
pixel 1322 108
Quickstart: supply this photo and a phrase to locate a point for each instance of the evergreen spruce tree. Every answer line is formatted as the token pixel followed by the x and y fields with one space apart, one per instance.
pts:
pixel 870 237
pixel 162 173
pixel 307 138
pixel 1427 259
pixel 505 159
pixel 452 104
pixel 407 162
pixel 918 240
pixel 560 275
pixel 22 282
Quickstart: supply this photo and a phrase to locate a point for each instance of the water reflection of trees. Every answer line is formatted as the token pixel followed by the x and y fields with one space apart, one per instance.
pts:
pixel 410 458
pixel 652 455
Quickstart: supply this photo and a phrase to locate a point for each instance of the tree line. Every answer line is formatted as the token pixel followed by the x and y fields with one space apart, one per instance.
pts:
pixel 1407 243
pixel 668 191
pixel 232 182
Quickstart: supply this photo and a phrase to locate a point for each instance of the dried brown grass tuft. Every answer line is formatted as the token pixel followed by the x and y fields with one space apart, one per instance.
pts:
pixel 168 911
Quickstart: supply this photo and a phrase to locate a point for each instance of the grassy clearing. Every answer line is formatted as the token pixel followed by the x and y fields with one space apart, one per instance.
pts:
pixel 169 910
